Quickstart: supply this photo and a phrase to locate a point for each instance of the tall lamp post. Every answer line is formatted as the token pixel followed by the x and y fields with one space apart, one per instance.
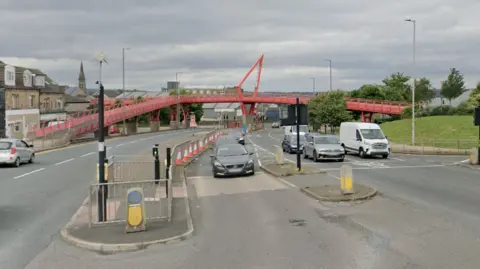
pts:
pixel 330 66
pixel 178 98
pixel 313 86
pixel 102 154
pixel 414 22
pixel 123 90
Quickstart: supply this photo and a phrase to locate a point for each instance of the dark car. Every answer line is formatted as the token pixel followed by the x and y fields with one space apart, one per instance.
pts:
pixel 238 136
pixel 289 143
pixel 232 159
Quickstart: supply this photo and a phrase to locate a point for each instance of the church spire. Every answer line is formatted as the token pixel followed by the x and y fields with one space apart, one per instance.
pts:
pixel 82 84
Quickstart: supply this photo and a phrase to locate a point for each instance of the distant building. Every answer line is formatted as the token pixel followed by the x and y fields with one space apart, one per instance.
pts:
pixel 77 98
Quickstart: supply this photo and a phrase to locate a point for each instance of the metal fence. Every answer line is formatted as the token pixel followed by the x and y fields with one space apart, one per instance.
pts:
pixel 431 146
pixel 157 205
pixel 135 170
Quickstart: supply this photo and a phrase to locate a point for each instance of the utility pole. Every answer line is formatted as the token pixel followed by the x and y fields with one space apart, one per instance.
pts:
pixel 178 99
pixel 330 65
pixel 102 154
pixel 297 119
pixel 123 91
pixel 313 80
pixel 414 22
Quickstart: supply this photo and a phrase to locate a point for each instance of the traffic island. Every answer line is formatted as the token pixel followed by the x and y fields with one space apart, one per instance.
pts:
pixel 333 193
pixel 288 169
pixel 113 238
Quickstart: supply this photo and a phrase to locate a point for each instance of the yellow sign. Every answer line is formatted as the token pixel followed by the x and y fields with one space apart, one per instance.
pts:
pixel 136 218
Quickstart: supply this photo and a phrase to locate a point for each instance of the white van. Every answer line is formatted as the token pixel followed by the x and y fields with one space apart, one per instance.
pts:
pixel 366 139
pixel 290 129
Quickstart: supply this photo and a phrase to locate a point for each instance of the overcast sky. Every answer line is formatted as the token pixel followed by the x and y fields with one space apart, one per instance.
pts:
pixel 215 42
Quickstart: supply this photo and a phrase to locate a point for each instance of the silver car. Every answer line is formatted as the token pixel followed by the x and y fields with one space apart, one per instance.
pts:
pixel 324 147
pixel 15 152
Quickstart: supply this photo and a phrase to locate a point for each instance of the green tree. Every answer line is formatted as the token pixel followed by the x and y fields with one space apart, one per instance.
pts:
pixel 329 109
pixel 196 109
pixel 474 96
pixel 424 92
pixel 453 86
pixel 398 85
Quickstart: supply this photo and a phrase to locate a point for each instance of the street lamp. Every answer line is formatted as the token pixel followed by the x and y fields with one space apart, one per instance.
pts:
pixel 414 22
pixel 178 98
pixel 313 80
pixel 330 64
pixel 102 154
pixel 123 90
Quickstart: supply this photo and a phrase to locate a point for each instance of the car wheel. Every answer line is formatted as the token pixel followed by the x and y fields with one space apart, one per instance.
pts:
pixel 315 156
pixel 385 156
pixel 17 162
pixel 341 160
pixel 361 153
pixel 32 158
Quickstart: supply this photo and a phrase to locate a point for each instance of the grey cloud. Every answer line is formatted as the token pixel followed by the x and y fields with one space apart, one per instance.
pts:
pixel 366 40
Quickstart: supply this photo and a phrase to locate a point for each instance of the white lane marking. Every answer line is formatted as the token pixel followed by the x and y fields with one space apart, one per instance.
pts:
pixel 389 167
pixel 119 145
pixel 134 141
pixel 66 161
pixel 398 159
pixel 29 173
pixel 109 148
pixel 270 134
pixel 85 155
pixel 291 185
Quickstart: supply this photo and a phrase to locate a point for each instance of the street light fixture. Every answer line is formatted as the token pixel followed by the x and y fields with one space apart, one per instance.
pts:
pixel 414 22
pixel 330 65
pixel 313 80
pixel 123 90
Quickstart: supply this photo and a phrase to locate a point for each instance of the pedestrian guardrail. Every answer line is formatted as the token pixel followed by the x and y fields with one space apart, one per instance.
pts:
pixel 114 195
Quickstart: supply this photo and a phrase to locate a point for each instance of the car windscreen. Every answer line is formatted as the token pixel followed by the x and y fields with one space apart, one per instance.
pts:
pixel 326 140
pixel 293 138
pixel 5 145
pixel 372 133
pixel 231 150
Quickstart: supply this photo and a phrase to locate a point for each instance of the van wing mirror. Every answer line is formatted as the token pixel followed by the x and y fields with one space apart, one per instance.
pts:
pixel 359 139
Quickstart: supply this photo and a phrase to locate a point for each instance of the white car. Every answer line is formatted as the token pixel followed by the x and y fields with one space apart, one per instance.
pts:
pixel 15 152
pixel 366 139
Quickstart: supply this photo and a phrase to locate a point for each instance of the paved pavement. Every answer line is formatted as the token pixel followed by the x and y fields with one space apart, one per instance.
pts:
pixel 422 218
pixel 37 200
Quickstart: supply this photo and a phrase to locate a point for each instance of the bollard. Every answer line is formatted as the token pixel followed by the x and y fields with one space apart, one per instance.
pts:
pixel 156 163
pixel 346 179
pixel 168 162
pixel 279 158
pixel 136 221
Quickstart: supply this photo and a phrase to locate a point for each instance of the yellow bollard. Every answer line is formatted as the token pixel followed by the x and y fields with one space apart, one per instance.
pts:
pixel 279 158
pixel 136 220
pixel 346 179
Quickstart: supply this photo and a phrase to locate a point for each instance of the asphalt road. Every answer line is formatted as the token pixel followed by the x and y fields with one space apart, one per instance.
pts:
pixel 37 200
pixel 424 217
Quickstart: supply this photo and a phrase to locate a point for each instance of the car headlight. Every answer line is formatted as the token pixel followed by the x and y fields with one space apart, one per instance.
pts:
pixel 250 162
pixel 217 164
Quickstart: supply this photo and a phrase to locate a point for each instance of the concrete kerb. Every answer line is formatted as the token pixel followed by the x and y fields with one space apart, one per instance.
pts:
pixel 112 248
pixel 369 195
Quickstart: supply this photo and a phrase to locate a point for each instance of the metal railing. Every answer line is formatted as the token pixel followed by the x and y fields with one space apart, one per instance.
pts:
pixel 157 205
pixel 135 170
pixel 432 146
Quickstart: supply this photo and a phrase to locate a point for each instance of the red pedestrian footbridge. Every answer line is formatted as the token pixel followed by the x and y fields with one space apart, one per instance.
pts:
pixel 87 121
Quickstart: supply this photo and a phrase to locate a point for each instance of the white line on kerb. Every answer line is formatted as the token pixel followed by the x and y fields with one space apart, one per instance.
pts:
pixel 29 173
pixel 90 153
pixel 66 161
pixel 119 145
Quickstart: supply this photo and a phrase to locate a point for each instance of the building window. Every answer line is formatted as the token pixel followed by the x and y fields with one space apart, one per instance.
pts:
pixel 17 127
pixel 10 75
pixel 59 103
pixel 31 101
pixel 15 103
